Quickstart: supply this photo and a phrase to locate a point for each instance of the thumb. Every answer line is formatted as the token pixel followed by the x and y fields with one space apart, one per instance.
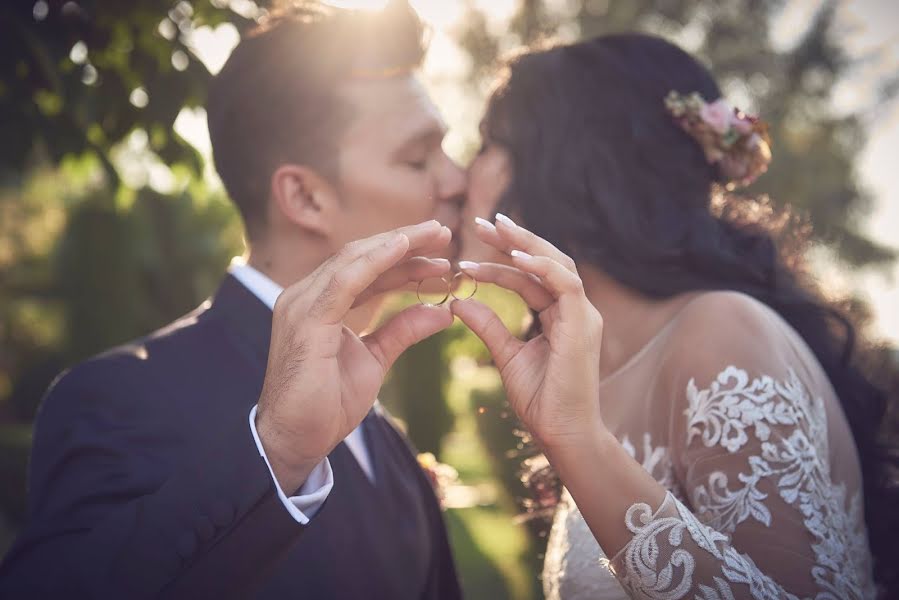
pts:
pixel 404 330
pixel 485 323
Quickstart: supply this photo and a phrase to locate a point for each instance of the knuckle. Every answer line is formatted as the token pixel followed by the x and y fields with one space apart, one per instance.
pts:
pixel 575 284
pixel 493 324
pixel 325 300
pixel 338 282
pixel 594 324
pixel 318 309
pixel 368 259
pixel 349 249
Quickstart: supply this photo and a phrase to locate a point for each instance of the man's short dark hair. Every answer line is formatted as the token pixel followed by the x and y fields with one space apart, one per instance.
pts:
pixel 275 101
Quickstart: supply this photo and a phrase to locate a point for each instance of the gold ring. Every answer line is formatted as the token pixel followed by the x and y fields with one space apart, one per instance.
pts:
pixel 469 296
pixel 445 297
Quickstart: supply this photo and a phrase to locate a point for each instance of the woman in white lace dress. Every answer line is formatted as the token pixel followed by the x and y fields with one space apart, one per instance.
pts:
pixel 691 394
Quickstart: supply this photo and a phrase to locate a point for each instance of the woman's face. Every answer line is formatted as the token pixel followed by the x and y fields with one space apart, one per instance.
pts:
pixel 488 177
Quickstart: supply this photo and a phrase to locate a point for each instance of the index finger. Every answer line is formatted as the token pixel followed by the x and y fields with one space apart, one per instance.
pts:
pixel 348 274
pixel 421 237
pixel 521 239
pixel 343 282
pixel 426 238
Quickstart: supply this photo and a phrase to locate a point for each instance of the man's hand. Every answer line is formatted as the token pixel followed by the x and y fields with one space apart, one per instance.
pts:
pixel 322 379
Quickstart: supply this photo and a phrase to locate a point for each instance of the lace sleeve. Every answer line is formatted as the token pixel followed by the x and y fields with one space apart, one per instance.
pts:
pixel 769 517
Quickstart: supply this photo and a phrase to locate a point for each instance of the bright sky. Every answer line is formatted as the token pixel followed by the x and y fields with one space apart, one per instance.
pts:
pixel 868 24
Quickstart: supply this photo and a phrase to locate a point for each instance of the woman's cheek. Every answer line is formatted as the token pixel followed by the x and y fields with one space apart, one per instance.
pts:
pixel 491 180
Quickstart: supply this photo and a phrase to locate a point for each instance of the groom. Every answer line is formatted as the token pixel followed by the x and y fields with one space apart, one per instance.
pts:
pixel 235 453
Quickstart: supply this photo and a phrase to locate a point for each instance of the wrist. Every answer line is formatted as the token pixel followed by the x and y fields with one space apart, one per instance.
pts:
pixel 591 445
pixel 290 471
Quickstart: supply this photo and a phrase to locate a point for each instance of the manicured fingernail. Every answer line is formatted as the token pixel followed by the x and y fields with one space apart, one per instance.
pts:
pixel 484 223
pixel 520 254
pixel 448 230
pixel 428 224
pixel 467 265
pixel 440 261
pixel 505 220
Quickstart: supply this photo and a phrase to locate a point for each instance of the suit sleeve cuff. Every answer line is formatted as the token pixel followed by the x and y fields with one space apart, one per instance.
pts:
pixel 311 495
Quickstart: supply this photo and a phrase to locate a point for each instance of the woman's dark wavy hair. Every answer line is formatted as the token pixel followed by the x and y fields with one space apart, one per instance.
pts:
pixel 587 131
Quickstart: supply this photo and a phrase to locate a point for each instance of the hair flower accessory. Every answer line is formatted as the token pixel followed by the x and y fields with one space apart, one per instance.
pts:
pixel 734 141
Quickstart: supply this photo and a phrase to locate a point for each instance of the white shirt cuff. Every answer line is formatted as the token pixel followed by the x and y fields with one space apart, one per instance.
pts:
pixel 313 493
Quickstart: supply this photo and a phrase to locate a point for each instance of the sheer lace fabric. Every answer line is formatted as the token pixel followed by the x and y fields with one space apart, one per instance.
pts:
pixel 730 411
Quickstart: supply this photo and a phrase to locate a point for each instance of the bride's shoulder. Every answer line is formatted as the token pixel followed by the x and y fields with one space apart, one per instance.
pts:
pixel 722 310
pixel 718 328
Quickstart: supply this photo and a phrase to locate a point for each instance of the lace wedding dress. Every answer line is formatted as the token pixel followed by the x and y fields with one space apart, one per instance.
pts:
pixel 731 412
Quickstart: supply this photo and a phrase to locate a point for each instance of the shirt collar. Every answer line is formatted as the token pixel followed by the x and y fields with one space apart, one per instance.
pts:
pixel 254 280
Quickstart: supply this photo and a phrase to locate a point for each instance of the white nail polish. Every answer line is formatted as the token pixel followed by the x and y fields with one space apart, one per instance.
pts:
pixel 520 254
pixel 505 220
pixel 467 264
pixel 484 223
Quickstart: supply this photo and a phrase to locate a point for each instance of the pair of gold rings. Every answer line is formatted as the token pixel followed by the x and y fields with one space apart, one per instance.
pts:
pixel 450 291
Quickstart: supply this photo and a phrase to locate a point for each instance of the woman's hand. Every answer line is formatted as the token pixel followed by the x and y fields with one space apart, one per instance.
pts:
pixel 551 381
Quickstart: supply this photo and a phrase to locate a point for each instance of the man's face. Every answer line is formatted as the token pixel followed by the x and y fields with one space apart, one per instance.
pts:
pixel 393 171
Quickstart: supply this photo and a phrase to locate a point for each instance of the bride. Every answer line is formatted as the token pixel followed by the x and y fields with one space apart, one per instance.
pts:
pixel 691 392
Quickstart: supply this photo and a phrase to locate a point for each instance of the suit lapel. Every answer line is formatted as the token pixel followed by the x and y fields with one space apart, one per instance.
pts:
pixel 388 478
pixel 372 436
pixel 248 318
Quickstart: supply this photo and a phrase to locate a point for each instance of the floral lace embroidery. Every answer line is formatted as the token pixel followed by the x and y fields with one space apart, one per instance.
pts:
pixel 655 565
pixel 569 568
pixel 798 463
pixel 655 460
pixel 572 554
pixel 648 575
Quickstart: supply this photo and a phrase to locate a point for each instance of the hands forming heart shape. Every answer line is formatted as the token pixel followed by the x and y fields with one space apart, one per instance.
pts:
pixel 322 378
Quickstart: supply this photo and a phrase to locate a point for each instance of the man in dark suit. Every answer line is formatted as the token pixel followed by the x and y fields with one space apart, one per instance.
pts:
pixel 236 453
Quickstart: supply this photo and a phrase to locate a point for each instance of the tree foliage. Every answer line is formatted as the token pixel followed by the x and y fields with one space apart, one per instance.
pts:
pixel 86 262
pixel 78 77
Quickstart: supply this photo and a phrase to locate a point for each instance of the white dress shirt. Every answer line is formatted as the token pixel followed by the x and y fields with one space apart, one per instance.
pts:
pixel 312 495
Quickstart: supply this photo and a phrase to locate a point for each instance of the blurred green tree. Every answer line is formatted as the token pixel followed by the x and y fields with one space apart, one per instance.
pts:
pixel 87 258
pixel 78 77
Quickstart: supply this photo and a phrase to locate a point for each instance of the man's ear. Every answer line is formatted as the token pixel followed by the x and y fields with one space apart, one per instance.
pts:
pixel 305 198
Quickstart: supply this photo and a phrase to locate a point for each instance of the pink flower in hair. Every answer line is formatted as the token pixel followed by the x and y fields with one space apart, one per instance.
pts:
pixel 737 143
pixel 717 115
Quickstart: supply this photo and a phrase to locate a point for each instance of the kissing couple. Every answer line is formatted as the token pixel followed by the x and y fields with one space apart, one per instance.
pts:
pixel 684 382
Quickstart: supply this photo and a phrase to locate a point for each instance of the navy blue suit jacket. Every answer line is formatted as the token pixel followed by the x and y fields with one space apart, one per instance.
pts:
pixel 145 482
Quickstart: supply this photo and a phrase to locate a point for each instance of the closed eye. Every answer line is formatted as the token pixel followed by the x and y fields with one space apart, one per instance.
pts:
pixel 417 165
